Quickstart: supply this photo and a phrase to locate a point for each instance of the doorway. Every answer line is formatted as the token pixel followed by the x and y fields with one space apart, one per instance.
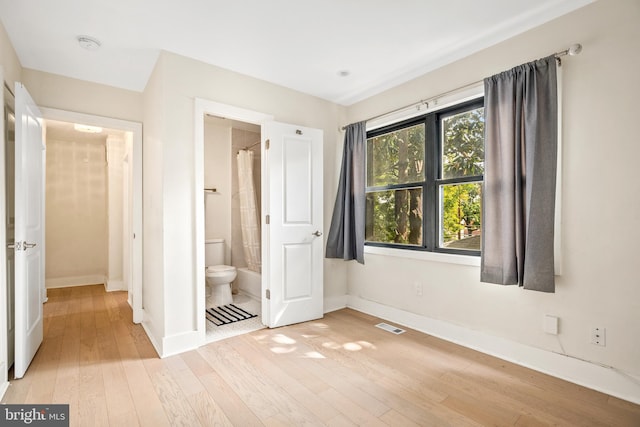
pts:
pixel 87 198
pixel 125 146
pixel 232 166
pixel 204 110
pixel 291 288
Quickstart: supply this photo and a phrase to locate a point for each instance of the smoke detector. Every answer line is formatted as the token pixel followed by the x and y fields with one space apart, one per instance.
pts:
pixel 88 43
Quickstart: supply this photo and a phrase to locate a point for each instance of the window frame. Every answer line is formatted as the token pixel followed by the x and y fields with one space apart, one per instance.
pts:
pixel 433 147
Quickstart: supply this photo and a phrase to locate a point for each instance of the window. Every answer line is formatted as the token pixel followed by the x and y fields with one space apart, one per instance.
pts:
pixel 424 181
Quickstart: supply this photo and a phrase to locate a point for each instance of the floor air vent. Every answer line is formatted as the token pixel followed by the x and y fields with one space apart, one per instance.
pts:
pixel 390 328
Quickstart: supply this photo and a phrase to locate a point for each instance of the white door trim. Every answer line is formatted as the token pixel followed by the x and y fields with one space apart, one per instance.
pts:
pixel 202 107
pixel 4 377
pixel 136 226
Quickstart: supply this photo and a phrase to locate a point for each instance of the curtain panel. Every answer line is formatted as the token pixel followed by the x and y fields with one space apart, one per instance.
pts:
pixel 521 137
pixel 249 213
pixel 346 235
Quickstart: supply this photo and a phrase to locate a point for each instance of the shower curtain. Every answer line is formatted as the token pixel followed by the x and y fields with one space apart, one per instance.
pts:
pixel 250 224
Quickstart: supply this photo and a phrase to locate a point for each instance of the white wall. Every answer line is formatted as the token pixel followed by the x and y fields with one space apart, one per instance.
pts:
pixel 115 171
pixel 8 59
pixel 177 95
pixel 153 208
pixel 76 212
pixel 127 215
pixel 217 174
pixel 64 93
pixel 601 208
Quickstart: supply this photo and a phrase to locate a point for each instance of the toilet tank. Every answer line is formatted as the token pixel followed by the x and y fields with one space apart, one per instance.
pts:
pixel 213 252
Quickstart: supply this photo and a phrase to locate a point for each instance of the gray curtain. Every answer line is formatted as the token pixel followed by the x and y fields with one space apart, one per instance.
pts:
pixel 521 131
pixel 346 235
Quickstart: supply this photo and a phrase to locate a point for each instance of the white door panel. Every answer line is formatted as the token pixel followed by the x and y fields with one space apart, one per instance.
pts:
pixel 292 242
pixel 29 230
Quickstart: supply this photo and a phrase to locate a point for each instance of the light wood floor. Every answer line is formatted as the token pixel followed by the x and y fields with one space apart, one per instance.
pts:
pixel 339 371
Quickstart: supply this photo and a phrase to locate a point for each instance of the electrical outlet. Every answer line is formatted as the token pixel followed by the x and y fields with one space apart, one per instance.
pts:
pixel 418 288
pixel 551 324
pixel 598 335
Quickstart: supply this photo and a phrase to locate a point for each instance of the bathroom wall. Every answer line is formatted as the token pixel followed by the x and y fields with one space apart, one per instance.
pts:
pixel 217 174
pixel 76 211
pixel 241 138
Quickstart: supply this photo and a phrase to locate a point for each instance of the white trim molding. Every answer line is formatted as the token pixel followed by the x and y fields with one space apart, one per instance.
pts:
pixel 66 282
pixel 335 303
pixel 606 380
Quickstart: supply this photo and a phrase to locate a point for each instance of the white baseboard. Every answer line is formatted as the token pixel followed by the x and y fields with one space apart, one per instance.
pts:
pixel 335 303
pixel 607 380
pixel 180 343
pixel 149 326
pixel 114 285
pixel 66 282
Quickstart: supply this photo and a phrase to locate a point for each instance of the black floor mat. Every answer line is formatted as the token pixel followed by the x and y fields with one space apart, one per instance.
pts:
pixel 226 314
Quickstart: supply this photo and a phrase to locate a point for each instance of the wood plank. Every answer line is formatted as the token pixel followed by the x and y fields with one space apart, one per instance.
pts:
pixel 146 402
pixel 266 399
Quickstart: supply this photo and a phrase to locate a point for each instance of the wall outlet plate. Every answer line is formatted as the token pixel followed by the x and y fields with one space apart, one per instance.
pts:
pixel 551 324
pixel 598 335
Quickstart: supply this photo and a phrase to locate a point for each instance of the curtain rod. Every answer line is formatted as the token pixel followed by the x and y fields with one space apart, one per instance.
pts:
pixel 249 147
pixel 574 49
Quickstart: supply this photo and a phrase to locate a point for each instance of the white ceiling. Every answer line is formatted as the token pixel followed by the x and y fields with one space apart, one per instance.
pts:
pixel 300 44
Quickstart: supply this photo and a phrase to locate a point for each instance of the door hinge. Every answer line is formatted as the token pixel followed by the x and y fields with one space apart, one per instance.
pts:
pixel 266 144
pixel 268 293
pixel 267 219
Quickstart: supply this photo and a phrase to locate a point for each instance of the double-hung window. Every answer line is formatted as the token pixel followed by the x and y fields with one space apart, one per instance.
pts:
pixel 424 181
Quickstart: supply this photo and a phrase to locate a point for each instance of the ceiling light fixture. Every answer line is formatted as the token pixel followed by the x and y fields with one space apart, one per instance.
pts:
pixel 344 73
pixel 88 43
pixel 87 128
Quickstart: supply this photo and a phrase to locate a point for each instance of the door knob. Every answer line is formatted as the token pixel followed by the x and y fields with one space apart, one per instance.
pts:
pixel 317 233
pixel 27 245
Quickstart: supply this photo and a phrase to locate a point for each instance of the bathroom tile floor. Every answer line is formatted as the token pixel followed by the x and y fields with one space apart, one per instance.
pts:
pixel 217 333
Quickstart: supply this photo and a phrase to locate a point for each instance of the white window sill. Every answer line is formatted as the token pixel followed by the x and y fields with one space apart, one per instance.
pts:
pixel 423 255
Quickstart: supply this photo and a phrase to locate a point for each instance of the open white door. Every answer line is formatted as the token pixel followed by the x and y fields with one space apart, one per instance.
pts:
pixel 292 242
pixel 29 229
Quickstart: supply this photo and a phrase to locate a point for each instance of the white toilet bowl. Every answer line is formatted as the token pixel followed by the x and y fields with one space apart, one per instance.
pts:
pixel 219 278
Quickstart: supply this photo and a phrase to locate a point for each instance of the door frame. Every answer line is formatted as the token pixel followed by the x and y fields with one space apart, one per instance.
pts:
pixel 4 369
pixel 203 107
pixel 136 225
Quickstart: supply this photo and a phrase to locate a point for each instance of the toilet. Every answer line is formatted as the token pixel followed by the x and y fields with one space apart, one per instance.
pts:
pixel 218 276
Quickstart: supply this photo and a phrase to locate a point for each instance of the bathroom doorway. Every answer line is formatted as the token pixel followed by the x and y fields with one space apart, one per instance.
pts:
pixel 232 179
pixel 291 220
